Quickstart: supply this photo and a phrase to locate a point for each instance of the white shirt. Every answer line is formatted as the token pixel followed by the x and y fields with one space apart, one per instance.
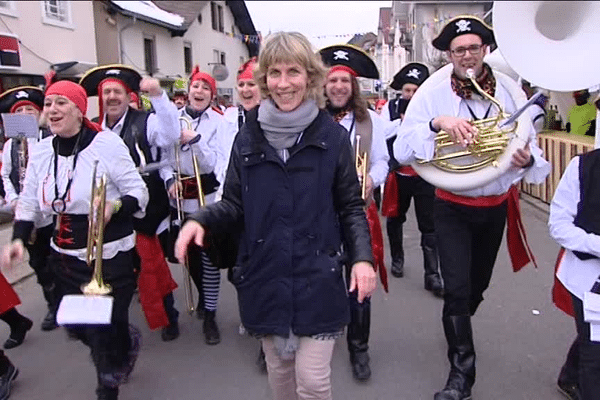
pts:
pixel 576 275
pixel 206 150
pixel 162 128
pixel 11 192
pixel 226 133
pixel 378 164
pixel 114 161
pixel 416 141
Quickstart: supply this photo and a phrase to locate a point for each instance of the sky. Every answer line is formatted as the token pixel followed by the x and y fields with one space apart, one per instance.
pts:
pixel 320 21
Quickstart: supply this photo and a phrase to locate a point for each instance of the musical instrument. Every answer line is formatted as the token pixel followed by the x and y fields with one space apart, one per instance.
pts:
pixel 529 35
pixel 23 154
pixel 94 306
pixel 179 182
pixel 362 166
pixel 95 238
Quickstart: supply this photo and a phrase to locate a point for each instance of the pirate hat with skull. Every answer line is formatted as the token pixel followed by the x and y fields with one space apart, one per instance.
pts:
pixel 351 59
pixel 462 25
pixel 123 74
pixel 19 96
pixel 411 73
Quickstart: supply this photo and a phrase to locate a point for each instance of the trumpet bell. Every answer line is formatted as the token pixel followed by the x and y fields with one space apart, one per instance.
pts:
pixel 550 43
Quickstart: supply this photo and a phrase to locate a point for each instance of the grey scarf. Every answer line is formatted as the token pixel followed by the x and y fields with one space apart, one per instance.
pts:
pixel 283 128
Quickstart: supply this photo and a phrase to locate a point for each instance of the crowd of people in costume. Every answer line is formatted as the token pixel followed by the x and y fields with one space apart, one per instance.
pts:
pixel 281 205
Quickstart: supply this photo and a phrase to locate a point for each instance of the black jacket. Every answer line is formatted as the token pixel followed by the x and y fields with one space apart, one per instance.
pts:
pixel 294 218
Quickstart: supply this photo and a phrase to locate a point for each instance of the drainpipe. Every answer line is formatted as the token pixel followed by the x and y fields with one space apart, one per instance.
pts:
pixel 121 50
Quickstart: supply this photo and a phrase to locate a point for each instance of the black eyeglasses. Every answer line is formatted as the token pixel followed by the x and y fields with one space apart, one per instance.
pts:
pixel 474 49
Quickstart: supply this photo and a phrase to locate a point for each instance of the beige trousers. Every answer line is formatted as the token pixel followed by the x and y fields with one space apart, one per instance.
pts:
pixel 307 377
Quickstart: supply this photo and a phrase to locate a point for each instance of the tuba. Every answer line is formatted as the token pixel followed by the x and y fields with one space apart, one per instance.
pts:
pixel 539 41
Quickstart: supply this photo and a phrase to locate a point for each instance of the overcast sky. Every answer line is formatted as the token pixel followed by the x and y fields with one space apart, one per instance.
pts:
pixel 316 19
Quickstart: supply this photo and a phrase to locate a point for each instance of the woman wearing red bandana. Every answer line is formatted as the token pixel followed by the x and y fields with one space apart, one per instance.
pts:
pixel 58 181
pixel 199 138
pixel 468 224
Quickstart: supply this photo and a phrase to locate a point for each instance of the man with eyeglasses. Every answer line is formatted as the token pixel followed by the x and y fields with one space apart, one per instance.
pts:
pixel 469 224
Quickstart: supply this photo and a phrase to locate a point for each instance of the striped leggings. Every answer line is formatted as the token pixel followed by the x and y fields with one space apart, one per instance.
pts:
pixel 206 277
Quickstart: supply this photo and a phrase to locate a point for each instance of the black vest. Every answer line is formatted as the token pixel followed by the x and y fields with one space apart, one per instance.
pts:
pixel 588 209
pixel 14 159
pixel 134 136
pixel 397 107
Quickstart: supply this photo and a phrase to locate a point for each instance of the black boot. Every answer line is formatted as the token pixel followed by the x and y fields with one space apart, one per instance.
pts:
pixel 19 325
pixel 461 354
pixel 394 229
pixel 171 331
pixel 568 379
pixel 358 341
pixel 8 375
pixel 107 393
pixel 49 321
pixel 433 282
pixel 210 329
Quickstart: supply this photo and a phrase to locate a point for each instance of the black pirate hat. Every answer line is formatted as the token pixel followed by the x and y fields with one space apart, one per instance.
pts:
pixel 461 25
pixel 411 73
pixel 351 58
pixel 128 76
pixel 16 97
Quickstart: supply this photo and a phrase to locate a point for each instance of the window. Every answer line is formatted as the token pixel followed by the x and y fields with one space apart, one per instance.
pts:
pixel 149 55
pixel 216 12
pixel 8 8
pixel 219 57
pixel 57 10
pixel 187 57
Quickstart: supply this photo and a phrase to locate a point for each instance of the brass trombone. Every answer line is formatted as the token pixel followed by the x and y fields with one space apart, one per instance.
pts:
pixel 362 165
pixel 179 179
pixel 95 238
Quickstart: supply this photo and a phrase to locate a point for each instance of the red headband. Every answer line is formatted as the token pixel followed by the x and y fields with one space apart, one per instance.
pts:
pixel 342 68
pixel 101 100
pixel 22 103
pixel 246 70
pixel 197 75
pixel 71 91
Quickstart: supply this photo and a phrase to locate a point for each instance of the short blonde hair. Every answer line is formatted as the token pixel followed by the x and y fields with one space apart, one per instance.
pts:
pixel 291 47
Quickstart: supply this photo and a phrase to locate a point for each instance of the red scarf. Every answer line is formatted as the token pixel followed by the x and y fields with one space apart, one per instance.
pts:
pixel 464 88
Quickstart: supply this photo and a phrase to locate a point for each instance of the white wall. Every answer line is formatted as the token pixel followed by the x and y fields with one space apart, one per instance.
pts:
pixel 169 50
pixel 75 42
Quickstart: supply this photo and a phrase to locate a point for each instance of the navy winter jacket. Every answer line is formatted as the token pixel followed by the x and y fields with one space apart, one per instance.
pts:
pixel 294 217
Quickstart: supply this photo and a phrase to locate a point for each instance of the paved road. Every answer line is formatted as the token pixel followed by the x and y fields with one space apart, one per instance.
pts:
pixel 518 353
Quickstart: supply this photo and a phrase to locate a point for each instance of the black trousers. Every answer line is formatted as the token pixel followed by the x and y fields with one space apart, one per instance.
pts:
pixel 588 360
pixel 468 242
pixel 423 193
pixel 109 344
pixel 39 251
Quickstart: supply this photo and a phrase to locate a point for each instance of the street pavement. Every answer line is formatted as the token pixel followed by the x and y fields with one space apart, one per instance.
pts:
pixel 520 337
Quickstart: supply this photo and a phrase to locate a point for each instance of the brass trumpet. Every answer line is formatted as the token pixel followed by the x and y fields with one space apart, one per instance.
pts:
pixel 485 149
pixel 362 165
pixel 179 179
pixel 95 238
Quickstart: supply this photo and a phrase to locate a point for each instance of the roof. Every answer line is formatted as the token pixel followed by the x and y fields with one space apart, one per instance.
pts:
pixel 385 15
pixel 244 23
pixel 189 10
pixel 147 11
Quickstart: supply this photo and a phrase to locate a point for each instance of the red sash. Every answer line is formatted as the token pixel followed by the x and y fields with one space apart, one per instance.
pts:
pixel 518 248
pixel 390 205
pixel 8 297
pixel 155 280
pixel 561 297
pixel 377 244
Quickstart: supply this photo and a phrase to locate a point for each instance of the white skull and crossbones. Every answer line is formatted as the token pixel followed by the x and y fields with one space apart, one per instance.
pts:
pixel 463 26
pixel 414 73
pixel 340 55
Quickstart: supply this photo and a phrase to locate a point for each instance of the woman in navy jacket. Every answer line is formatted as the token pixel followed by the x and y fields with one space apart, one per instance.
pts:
pixel 292 187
